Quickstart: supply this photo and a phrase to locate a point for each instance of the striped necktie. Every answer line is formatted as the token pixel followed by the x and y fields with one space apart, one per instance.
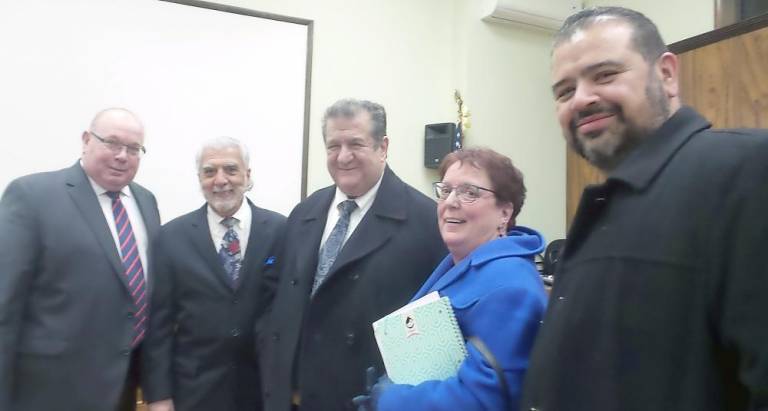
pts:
pixel 134 272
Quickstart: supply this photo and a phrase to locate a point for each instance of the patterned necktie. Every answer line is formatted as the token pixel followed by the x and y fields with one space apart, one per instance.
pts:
pixel 134 272
pixel 229 253
pixel 333 244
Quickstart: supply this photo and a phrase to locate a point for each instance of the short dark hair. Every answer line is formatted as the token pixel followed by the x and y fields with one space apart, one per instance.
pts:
pixel 348 108
pixel 645 35
pixel 506 179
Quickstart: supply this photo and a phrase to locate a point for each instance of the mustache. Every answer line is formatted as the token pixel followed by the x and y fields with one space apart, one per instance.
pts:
pixel 613 109
pixel 227 187
pixel 230 187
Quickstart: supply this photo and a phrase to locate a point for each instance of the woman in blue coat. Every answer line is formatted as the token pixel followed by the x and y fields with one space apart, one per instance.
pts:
pixel 491 281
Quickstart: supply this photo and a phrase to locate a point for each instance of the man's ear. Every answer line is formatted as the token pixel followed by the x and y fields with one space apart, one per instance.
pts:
pixel 383 146
pixel 85 138
pixel 667 66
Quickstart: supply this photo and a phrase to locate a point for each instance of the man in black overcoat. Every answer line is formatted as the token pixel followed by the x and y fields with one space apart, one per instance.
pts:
pixel 660 299
pixel 318 341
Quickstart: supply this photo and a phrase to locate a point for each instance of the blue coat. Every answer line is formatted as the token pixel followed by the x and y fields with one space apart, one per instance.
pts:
pixel 497 295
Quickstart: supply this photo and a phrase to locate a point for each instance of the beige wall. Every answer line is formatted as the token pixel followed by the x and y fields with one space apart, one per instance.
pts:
pixel 507 85
pixel 395 52
pixel 409 55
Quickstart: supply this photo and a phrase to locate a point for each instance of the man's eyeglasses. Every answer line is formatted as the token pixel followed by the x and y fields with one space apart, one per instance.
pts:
pixel 466 193
pixel 116 147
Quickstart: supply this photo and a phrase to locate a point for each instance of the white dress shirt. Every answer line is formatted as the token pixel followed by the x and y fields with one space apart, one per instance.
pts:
pixel 134 215
pixel 242 226
pixel 364 203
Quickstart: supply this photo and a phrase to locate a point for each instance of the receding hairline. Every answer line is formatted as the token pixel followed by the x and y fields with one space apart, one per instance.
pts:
pixel 644 35
pixel 602 20
pixel 116 113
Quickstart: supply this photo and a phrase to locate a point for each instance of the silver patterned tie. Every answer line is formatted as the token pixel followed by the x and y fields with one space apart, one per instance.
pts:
pixel 333 244
pixel 230 253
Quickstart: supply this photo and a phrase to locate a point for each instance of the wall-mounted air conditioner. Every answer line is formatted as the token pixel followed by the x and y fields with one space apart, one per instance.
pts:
pixel 543 14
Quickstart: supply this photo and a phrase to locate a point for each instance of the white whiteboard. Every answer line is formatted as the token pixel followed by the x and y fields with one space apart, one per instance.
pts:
pixel 189 73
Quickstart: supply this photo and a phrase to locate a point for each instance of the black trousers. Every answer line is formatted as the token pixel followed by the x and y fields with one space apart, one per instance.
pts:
pixel 128 397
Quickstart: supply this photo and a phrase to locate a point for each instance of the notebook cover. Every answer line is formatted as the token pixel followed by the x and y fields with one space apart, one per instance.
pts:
pixel 421 342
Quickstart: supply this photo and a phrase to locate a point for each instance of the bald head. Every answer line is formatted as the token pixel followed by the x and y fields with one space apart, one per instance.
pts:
pixel 116 115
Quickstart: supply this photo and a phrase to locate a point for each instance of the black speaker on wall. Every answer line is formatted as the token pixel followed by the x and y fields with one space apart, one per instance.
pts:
pixel 438 142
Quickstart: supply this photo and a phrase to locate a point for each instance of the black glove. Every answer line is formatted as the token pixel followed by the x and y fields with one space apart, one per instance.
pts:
pixel 368 400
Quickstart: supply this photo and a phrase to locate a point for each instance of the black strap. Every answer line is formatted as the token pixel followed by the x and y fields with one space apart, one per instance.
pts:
pixel 491 360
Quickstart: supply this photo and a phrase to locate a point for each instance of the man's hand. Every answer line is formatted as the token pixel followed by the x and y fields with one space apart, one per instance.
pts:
pixel 164 405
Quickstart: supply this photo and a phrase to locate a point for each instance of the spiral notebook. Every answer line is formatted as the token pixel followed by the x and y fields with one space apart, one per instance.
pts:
pixel 421 341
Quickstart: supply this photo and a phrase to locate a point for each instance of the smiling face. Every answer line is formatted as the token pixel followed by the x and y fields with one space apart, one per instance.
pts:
pixel 224 179
pixel 608 97
pixel 110 170
pixel 464 227
pixel 354 160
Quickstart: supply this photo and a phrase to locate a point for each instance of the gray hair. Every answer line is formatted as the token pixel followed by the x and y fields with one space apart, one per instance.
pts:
pixel 348 108
pixel 222 143
pixel 646 39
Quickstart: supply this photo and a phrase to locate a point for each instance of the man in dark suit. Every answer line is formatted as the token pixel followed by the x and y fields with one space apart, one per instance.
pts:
pixel 354 252
pixel 660 300
pixel 212 268
pixel 72 281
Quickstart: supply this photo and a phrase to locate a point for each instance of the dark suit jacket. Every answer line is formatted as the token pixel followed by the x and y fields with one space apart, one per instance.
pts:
pixel 199 348
pixel 660 298
pixel 324 345
pixel 65 312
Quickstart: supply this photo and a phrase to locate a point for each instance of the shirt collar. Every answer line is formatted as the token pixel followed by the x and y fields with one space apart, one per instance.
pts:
pixel 99 190
pixel 364 201
pixel 641 166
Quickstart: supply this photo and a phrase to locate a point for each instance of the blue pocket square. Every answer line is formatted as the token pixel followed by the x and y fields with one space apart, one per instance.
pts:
pixel 270 260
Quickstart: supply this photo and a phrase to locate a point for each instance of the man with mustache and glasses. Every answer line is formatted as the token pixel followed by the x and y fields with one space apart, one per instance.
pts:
pixel 660 298
pixel 214 267
pixel 73 276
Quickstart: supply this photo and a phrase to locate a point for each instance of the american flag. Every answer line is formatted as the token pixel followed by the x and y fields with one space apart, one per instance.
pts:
pixel 458 137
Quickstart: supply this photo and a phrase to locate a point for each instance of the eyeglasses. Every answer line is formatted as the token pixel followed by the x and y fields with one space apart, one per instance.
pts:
pixel 466 193
pixel 116 147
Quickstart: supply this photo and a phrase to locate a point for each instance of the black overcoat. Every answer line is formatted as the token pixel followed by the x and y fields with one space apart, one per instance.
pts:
pixel 324 344
pixel 660 300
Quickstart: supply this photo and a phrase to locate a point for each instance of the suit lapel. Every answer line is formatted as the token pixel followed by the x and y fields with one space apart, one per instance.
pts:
pixel 313 224
pixel 200 236
pixel 151 219
pixel 82 194
pixel 148 210
pixel 257 249
pixel 381 222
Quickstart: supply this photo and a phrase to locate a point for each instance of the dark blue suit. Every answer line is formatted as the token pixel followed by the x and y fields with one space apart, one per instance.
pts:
pixel 199 348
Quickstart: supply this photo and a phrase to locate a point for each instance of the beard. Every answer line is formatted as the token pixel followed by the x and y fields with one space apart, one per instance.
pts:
pixel 625 135
pixel 226 206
